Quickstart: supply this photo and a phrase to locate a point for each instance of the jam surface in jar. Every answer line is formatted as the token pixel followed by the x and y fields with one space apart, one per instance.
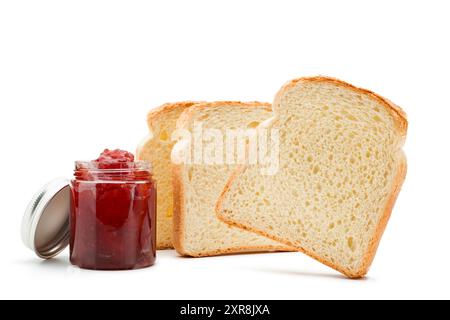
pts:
pixel 113 213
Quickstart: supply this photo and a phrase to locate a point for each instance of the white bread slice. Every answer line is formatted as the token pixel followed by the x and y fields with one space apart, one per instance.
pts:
pixel 156 149
pixel 197 231
pixel 341 169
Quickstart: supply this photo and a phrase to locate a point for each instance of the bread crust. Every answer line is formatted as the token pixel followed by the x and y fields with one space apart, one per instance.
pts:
pixel 397 113
pixel 152 117
pixel 186 116
pixel 179 207
pixel 401 123
pixel 155 113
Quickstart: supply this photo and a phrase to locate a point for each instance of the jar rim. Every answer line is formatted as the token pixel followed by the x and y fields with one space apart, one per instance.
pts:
pixel 118 166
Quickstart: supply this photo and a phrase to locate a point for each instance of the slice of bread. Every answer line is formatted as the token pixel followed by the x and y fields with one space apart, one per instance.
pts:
pixel 197 185
pixel 157 148
pixel 341 169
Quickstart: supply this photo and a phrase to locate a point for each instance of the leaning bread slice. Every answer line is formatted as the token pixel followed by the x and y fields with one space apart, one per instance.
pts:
pixel 200 178
pixel 341 169
pixel 156 148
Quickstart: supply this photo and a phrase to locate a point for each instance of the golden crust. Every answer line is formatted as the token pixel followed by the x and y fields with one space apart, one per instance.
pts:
pixel 178 191
pixel 402 125
pixel 178 209
pixel 152 117
pixel 397 113
pixel 373 245
pixel 155 113
pixel 186 116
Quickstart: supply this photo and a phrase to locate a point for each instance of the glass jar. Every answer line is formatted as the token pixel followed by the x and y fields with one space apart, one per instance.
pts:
pixel 113 216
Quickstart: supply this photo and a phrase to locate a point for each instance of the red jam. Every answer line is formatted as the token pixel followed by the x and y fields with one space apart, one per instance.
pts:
pixel 113 213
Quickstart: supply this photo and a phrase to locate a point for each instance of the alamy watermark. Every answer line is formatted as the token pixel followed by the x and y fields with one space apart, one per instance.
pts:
pixel 214 146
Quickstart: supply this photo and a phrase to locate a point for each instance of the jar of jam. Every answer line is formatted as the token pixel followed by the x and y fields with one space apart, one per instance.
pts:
pixel 107 213
pixel 112 218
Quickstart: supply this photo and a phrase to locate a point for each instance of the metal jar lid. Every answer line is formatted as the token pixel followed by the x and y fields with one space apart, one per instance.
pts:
pixel 45 224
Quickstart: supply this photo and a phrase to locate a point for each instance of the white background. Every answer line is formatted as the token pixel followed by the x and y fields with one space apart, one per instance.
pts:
pixel 78 76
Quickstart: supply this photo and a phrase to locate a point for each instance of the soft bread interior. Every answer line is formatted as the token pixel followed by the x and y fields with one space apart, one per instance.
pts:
pixel 197 187
pixel 341 167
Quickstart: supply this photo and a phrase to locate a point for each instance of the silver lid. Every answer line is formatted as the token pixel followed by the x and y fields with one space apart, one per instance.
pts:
pixel 45 224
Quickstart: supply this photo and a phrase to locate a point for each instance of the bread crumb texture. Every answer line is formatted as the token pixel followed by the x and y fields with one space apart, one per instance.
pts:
pixel 200 232
pixel 341 165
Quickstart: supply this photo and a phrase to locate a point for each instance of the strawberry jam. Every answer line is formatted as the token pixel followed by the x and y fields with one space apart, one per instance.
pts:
pixel 113 213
